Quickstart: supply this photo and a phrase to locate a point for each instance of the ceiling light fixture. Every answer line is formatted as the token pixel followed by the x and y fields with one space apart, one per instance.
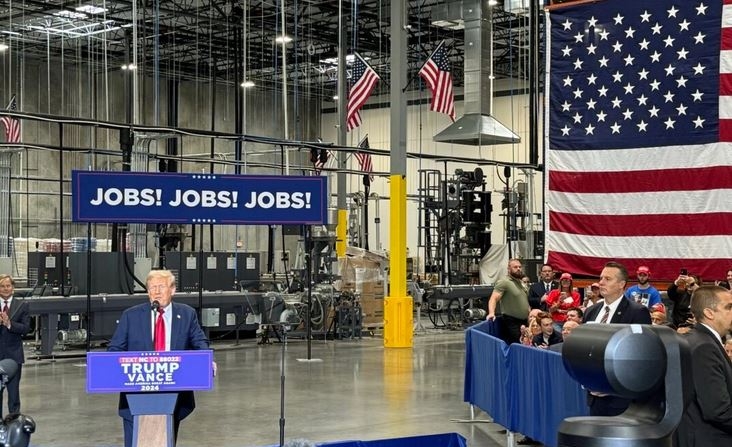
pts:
pixel 70 14
pixel 3 47
pixel 334 60
pixel 91 9
pixel 248 84
pixel 283 39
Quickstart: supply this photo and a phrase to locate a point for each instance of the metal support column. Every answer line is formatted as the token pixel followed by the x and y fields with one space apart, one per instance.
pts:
pixel 341 177
pixel 398 306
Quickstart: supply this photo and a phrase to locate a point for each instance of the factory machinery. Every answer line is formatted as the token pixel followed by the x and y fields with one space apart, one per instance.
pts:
pixel 455 234
pixel 72 308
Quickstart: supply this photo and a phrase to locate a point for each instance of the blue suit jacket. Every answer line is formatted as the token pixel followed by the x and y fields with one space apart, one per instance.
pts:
pixel 11 340
pixel 134 333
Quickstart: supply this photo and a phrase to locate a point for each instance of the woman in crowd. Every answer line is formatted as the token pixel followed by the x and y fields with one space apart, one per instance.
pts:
pixel 560 300
pixel 528 333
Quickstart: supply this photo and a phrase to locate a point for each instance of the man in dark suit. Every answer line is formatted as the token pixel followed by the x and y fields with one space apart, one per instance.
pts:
pixel 539 290
pixel 14 324
pixel 707 420
pixel 140 329
pixel 613 308
pixel 548 336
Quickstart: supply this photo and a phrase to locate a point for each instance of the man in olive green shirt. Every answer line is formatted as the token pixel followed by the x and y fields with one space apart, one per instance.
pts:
pixel 514 299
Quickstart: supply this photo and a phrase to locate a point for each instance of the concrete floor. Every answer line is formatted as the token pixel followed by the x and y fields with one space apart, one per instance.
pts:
pixel 358 391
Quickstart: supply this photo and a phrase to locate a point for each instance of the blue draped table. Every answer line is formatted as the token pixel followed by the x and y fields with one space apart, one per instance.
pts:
pixel 525 389
pixel 438 440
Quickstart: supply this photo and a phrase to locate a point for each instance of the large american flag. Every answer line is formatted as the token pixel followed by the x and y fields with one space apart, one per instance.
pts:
pixel 364 80
pixel 12 125
pixel 364 158
pixel 639 112
pixel 436 74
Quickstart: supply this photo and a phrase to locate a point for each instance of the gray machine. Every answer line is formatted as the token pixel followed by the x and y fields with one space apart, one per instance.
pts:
pixel 649 364
pixel 225 271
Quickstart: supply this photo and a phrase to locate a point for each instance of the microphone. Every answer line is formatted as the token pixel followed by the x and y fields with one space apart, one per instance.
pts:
pixel 155 305
pixel 8 369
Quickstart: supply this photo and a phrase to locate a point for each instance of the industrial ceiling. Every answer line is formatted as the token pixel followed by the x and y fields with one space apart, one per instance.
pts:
pixel 228 40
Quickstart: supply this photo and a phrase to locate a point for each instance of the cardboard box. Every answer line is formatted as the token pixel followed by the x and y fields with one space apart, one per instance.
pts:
pixel 372 310
pixel 373 288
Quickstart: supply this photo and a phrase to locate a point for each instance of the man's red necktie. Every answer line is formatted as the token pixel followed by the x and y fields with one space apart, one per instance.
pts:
pixel 5 307
pixel 160 331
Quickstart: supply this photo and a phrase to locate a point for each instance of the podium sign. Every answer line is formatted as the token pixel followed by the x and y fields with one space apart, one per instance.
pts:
pixel 167 371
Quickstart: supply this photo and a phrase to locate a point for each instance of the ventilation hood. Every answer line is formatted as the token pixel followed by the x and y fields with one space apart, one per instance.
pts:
pixel 476 127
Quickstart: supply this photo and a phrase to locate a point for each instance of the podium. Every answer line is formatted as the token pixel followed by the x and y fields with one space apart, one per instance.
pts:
pixel 152 381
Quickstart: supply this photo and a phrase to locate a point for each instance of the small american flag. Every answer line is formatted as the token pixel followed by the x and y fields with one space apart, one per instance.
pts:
pixel 436 73
pixel 364 158
pixel 365 80
pixel 639 116
pixel 12 125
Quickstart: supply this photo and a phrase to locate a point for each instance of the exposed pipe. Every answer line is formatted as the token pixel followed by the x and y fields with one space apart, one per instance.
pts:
pixel 284 86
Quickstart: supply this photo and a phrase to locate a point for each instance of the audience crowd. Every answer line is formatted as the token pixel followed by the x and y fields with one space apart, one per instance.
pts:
pixel 554 307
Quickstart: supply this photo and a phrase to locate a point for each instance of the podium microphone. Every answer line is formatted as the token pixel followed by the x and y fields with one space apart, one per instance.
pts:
pixel 155 305
pixel 8 369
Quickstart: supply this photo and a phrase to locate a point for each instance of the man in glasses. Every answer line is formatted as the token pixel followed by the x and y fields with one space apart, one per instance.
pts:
pixel 680 294
pixel 539 290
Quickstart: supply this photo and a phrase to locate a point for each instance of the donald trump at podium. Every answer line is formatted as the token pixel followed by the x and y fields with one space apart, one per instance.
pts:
pixel 159 325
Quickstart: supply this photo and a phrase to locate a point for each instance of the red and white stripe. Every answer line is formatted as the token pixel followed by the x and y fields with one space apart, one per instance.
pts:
pixel 440 83
pixel 358 95
pixel 665 207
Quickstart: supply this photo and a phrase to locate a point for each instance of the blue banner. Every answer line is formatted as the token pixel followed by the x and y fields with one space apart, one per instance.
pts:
pixel 113 372
pixel 141 197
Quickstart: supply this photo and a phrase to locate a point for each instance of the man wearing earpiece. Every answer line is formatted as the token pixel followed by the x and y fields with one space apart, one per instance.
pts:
pixel 159 325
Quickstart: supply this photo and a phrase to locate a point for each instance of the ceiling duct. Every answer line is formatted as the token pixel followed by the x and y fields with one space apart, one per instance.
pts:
pixel 476 127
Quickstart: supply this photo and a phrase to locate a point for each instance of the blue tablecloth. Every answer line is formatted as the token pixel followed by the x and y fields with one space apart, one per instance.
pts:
pixel 438 440
pixel 525 389
pixel 541 393
pixel 486 373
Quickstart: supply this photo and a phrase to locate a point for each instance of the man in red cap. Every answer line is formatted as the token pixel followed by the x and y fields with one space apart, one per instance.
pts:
pixel 658 315
pixel 643 292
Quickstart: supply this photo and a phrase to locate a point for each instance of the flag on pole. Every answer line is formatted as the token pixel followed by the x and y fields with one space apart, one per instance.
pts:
pixel 364 158
pixel 639 117
pixel 321 158
pixel 436 73
pixel 12 125
pixel 364 80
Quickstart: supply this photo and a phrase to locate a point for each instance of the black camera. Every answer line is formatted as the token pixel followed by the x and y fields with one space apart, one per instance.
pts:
pixel 16 429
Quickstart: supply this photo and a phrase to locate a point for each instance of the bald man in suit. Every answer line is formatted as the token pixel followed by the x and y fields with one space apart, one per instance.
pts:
pixel 135 333
pixel 707 420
